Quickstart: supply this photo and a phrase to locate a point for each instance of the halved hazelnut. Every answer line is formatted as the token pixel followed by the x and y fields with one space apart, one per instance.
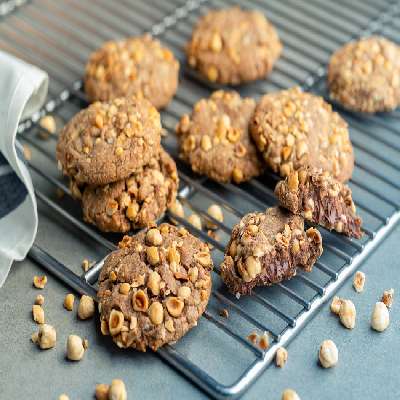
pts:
pixel 140 301
pixel 156 313
pixel 174 306
pixel 115 322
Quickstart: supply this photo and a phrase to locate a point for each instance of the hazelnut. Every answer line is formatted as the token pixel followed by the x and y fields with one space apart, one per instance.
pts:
pixel 169 326
pixel 347 314
pixel 387 298
pixel 140 301
pixel 47 336
pixel 328 354
pixel 152 255
pixel 290 394
pixel 263 342
pixel 193 274
pixel 63 397
pixel 117 390
pixel 174 306
pixel 102 391
pixel 104 327
pixel 252 337
pixel 38 314
pixel 195 220
pixel 153 283
pixel 281 357
pixel 39 300
pixel 153 237
pixel 69 301
pixel 156 313
pixel 173 256
pixel 85 264
pixel 124 288
pixel 380 317
pixel 253 267
pixel 177 209
pixel 49 123
pixel 115 322
pixel 132 211
pixel 184 292
pixel 359 281
pixel 75 349
pixel 335 305
pixel 214 211
pixel 203 257
pixel 86 307
pixel 39 281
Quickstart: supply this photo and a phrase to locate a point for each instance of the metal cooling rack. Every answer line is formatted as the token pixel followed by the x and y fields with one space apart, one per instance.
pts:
pixel 58 36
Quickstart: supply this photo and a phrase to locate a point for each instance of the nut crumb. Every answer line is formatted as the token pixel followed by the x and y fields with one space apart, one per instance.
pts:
pixel 194 220
pixel 347 314
pixel 39 281
pixel 224 313
pixel 49 123
pixel 387 298
pixel 281 357
pixel 86 265
pixel 335 305
pixel 290 394
pixel 215 212
pixel 39 300
pixel 117 390
pixel 359 281
pixel 263 342
pixel 380 317
pixel 328 354
pixel 69 301
pixel 38 314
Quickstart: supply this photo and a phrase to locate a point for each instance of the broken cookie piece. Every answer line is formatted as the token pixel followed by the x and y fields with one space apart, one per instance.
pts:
pixel 320 199
pixel 266 248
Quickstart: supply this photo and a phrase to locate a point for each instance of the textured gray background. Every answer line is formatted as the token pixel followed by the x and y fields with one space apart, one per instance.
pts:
pixel 368 362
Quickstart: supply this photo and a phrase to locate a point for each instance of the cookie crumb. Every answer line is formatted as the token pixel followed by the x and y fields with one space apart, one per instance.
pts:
pixel 224 313
pixel 39 300
pixel 359 281
pixel 69 301
pixel 387 298
pixel 281 357
pixel 39 281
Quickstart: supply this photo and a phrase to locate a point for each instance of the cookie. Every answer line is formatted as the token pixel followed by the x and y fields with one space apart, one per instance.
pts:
pixel 320 199
pixel 267 248
pixel 107 141
pixel 365 75
pixel 134 202
pixel 215 139
pixel 154 288
pixel 233 46
pixel 138 66
pixel 294 129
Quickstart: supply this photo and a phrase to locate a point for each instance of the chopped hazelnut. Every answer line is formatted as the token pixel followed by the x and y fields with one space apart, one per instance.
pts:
pixel 290 394
pixel 214 211
pixel 184 292
pixel 174 306
pixel 69 301
pixel 281 357
pixel 104 327
pixel 115 322
pixel 387 298
pixel 347 314
pixel 86 307
pixel 263 342
pixel 39 300
pixel 39 281
pixel 169 326
pixel 359 281
pixel 203 257
pixel 86 265
pixel 38 314
pixel 156 313
pixel 152 255
pixel 102 391
pixel 328 354
pixel 194 220
pixel 124 288
pixel 140 301
pixel 153 237
pixel 177 209
pixel 117 390
pixel 153 282
pixel 380 317
pixel 75 349
pixel 46 336
pixel 335 305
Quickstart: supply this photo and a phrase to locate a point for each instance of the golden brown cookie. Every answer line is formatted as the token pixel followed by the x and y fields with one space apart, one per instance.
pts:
pixel 138 66
pixel 108 141
pixel 267 248
pixel 154 288
pixel 215 139
pixel 233 46
pixel 365 75
pixel 294 129
pixel 134 202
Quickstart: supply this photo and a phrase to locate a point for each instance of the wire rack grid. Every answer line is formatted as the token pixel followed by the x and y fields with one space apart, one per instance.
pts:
pixel 58 36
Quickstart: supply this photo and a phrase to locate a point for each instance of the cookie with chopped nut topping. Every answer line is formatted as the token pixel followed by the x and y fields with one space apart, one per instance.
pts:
pixel 365 75
pixel 154 288
pixel 295 129
pixel 135 202
pixel 267 248
pixel 233 46
pixel 215 139
pixel 108 141
pixel 320 199
pixel 138 66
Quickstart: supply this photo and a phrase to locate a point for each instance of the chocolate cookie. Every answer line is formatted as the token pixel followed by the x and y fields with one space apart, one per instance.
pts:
pixel 134 202
pixel 106 142
pixel 154 288
pixel 365 75
pixel 293 129
pixel 266 248
pixel 320 199
pixel 233 46
pixel 215 139
pixel 138 66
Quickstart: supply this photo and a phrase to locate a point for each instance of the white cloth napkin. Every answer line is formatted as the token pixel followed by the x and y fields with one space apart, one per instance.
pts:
pixel 23 91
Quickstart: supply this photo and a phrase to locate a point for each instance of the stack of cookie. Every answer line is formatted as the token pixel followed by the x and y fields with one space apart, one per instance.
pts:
pixel 111 152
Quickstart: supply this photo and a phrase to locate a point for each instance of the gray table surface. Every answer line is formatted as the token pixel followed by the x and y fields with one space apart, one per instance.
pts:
pixel 368 361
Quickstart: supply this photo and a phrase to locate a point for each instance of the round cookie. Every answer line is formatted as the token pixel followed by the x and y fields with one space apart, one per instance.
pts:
pixel 106 142
pixel 154 288
pixel 294 129
pixel 215 139
pixel 138 66
pixel 365 75
pixel 134 202
pixel 233 46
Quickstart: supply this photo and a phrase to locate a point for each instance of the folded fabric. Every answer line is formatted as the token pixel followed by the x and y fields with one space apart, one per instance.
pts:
pixel 23 91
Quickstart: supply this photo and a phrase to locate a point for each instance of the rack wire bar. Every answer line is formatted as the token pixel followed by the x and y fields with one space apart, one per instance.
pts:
pixel 41 32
